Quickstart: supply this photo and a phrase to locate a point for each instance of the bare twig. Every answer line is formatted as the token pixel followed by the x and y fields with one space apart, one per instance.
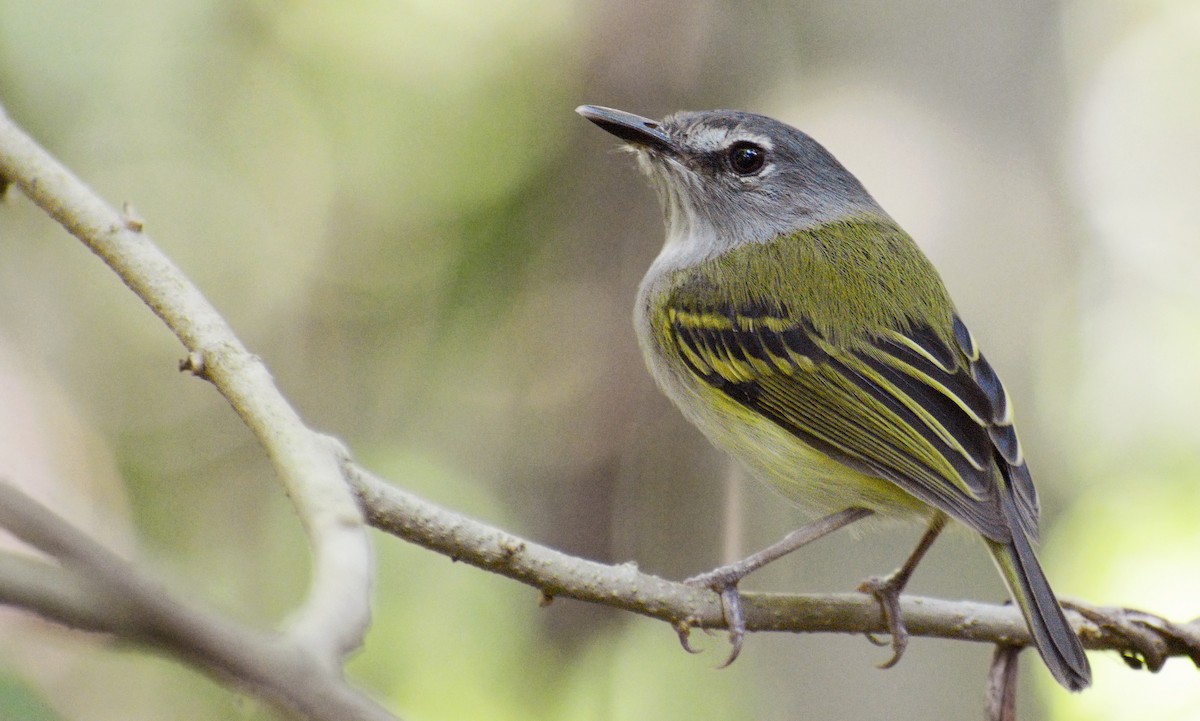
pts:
pixel 95 590
pixel 1000 701
pixel 336 613
pixel 55 593
pixel 555 573
pixel 1143 639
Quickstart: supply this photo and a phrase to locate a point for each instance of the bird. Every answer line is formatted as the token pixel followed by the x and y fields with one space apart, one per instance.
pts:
pixel 805 333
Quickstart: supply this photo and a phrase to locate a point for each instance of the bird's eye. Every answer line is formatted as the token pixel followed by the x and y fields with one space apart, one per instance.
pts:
pixel 746 158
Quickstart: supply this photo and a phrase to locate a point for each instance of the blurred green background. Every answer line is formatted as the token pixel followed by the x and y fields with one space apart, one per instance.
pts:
pixel 396 207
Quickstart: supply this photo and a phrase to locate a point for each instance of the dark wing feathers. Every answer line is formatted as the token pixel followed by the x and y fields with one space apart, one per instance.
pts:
pixel 1001 431
pixel 909 407
pixel 942 411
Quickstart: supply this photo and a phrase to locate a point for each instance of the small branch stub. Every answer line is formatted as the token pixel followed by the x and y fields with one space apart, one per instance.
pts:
pixel 133 220
pixel 193 363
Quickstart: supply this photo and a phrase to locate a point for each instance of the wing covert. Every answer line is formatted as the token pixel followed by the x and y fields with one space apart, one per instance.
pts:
pixel 909 407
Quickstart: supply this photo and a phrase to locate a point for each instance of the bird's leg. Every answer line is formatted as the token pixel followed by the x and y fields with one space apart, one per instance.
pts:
pixel 724 580
pixel 886 590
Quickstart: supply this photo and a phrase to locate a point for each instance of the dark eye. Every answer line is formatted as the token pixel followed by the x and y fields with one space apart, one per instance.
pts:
pixel 746 158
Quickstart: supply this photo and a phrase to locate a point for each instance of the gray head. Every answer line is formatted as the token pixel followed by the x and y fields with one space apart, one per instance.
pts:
pixel 727 177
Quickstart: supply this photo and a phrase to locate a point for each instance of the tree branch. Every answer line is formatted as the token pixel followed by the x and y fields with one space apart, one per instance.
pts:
pixel 1136 635
pixel 95 590
pixel 336 613
pixel 55 593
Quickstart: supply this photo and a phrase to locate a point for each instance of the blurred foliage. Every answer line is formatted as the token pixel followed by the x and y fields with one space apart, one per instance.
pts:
pixel 395 206
pixel 20 701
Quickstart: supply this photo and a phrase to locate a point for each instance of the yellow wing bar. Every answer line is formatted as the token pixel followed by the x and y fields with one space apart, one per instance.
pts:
pixel 908 407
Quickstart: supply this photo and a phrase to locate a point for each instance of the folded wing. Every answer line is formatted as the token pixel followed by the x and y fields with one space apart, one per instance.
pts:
pixel 915 407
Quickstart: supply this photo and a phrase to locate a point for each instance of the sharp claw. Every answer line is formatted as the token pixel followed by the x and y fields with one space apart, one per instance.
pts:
pixel 724 580
pixel 886 593
pixel 899 644
pixel 684 631
pixel 731 609
pixel 876 640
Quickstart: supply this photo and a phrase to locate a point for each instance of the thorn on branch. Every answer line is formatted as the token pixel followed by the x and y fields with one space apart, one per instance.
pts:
pixel 546 599
pixel 194 364
pixel 132 219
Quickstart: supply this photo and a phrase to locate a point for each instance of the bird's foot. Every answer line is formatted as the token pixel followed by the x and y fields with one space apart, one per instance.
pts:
pixel 724 581
pixel 886 590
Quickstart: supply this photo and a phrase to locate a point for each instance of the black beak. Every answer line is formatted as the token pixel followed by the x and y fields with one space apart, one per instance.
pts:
pixel 629 127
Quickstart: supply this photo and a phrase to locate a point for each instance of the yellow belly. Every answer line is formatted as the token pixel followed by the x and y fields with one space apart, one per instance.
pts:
pixel 800 472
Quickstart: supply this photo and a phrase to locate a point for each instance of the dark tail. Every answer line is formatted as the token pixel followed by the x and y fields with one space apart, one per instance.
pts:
pixel 1052 634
